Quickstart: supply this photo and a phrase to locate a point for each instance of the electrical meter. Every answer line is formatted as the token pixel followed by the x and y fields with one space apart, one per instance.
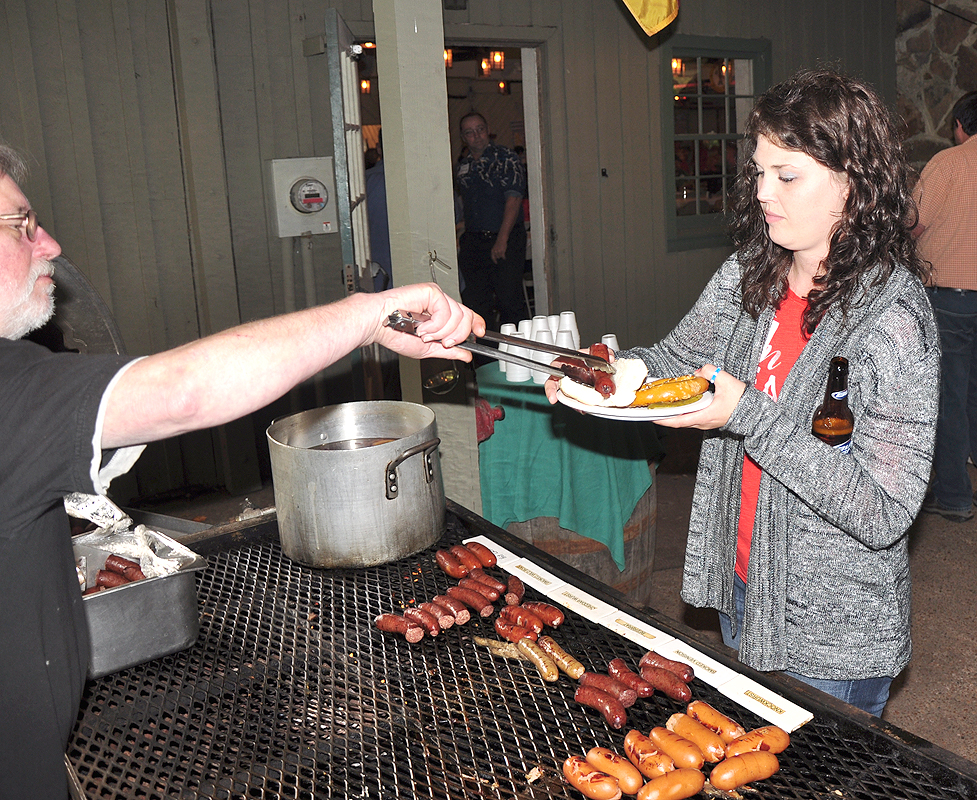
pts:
pixel 309 195
pixel 303 197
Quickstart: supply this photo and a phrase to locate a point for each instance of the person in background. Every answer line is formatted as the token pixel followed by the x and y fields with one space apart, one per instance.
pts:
pixel 946 195
pixel 71 423
pixel 802 547
pixel 491 181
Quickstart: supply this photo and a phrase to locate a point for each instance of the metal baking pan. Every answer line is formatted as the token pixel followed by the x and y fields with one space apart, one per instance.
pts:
pixel 145 619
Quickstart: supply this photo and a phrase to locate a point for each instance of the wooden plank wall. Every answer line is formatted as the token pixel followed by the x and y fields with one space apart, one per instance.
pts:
pixel 150 125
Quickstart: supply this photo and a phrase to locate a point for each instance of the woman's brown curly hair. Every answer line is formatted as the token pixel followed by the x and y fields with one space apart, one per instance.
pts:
pixel 843 125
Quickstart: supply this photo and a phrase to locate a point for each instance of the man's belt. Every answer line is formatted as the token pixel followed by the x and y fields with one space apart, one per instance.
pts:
pixel 484 234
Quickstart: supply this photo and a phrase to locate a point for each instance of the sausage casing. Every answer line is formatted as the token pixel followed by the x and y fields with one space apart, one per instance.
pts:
pixel 610 707
pixel 458 609
pixel 769 738
pixel 712 747
pixel 476 601
pixel 515 590
pixel 465 556
pixel 625 696
pixel 512 632
pixel 667 682
pixel 680 668
pixel 617 766
pixel 482 588
pixel 645 755
pixel 705 714
pixel 519 615
pixel 450 565
pixel 677 785
pixel 482 553
pixel 563 659
pixel 684 753
pixel 423 618
pixel 588 781
pixel 617 668
pixel 444 617
pixel 109 579
pixel 481 575
pixel 394 623
pixel 740 770
pixel 543 663
pixel 548 613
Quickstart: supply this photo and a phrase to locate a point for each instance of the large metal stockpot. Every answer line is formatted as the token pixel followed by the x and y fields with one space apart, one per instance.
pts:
pixel 357 484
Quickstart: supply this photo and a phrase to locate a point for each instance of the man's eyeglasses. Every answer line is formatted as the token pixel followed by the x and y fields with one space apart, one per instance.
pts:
pixel 28 220
pixel 467 134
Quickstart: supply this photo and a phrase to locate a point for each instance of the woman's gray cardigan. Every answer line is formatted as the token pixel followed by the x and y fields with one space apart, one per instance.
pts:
pixel 828 581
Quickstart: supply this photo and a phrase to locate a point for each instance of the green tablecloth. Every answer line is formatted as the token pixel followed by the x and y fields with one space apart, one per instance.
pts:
pixel 552 461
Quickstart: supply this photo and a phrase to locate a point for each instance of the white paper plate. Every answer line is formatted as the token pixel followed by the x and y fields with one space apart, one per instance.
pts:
pixel 636 414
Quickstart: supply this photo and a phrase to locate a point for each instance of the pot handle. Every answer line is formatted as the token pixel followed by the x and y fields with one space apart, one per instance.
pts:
pixel 392 476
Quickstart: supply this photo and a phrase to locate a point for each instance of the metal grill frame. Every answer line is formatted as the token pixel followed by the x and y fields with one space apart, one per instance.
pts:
pixel 291 692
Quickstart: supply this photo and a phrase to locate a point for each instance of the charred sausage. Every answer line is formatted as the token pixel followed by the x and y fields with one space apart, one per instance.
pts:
pixel 549 614
pixel 667 682
pixel 451 565
pixel 515 591
pixel 610 707
pixel 476 601
pixel 394 623
pixel 625 696
pixel 483 554
pixel 617 668
pixel 680 668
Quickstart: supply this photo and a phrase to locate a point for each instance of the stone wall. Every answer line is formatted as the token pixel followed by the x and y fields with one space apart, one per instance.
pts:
pixel 936 63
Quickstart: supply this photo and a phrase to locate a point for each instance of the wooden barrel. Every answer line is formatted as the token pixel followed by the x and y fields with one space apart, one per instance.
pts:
pixel 594 559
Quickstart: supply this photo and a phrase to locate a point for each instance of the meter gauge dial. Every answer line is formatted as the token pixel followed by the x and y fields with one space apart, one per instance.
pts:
pixel 309 195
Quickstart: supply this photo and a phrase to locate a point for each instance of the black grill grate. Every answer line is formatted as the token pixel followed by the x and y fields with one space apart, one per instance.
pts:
pixel 291 692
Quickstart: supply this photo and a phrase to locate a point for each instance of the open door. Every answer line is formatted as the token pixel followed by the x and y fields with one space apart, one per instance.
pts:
pixel 342 53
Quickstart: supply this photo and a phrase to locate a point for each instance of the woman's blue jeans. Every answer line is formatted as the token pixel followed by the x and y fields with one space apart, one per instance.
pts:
pixel 868 694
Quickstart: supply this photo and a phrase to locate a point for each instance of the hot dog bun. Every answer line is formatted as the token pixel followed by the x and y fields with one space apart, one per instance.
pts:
pixel 629 374
pixel 670 391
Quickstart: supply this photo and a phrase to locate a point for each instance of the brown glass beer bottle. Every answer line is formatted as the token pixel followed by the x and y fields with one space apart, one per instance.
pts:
pixel 833 421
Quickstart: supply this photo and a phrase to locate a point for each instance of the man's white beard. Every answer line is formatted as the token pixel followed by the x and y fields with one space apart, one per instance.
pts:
pixel 29 311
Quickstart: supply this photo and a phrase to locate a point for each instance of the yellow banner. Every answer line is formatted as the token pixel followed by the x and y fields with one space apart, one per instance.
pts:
pixel 653 15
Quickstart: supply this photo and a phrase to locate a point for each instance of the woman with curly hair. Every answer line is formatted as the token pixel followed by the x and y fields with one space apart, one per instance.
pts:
pixel 800 546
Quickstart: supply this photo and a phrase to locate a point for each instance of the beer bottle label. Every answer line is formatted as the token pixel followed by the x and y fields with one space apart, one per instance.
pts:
pixel 840 395
pixel 844 447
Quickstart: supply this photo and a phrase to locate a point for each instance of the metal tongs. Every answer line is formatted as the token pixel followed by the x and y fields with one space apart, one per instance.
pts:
pixel 406 322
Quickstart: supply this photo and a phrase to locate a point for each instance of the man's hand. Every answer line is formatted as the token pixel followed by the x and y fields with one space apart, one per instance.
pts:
pixel 449 323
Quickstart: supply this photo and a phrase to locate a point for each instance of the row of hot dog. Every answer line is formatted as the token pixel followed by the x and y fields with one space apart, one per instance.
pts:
pixel 671 757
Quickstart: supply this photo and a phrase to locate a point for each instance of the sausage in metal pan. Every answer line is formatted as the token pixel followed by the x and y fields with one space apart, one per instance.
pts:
pixel 109 579
pixel 476 601
pixel 677 785
pixel 563 659
pixel 617 766
pixel 520 615
pixel 457 609
pixel 550 614
pixel 482 588
pixel 465 556
pixel 684 753
pixel 515 591
pixel 646 756
pixel 715 721
pixel 712 747
pixel 547 669
pixel 610 707
pixel 625 696
pixel 618 668
pixel 451 565
pixel 588 781
pixel 740 770
pixel 512 632
pixel 486 556
pixel 680 668
pixel 394 623
pixel 124 566
pixel 769 739
pixel 667 682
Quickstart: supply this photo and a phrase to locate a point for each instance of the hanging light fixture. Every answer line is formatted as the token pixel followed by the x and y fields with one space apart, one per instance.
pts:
pixel 504 88
pixel 497 57
pixel 486 67
pixel 449 58
pixel 365 86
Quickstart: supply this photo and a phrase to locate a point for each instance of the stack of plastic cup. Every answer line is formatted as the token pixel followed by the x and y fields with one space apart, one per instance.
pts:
pixel 543 337
pixel 525 327
pixel 610 339
pixel 564 338
pixel 568 322
pixel 540 323
pixel 517 373
pixel 507 329
pixel 554 321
